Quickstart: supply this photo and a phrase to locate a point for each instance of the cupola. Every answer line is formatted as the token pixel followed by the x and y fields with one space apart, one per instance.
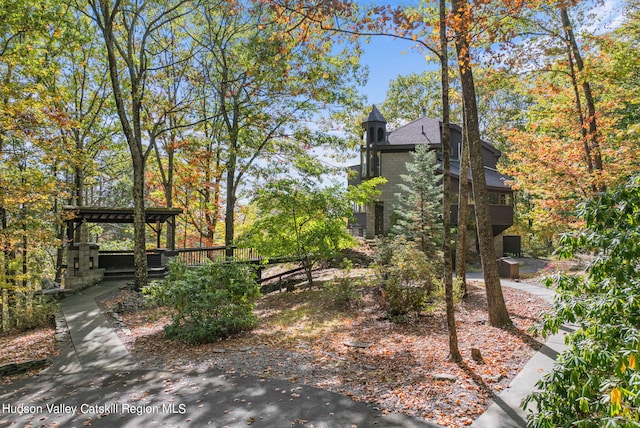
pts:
pixel 375 127
pixel 375 133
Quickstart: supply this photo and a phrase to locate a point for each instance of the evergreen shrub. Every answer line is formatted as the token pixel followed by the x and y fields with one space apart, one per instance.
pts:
pixel 211 302
pixel 408 279
pixel 596 380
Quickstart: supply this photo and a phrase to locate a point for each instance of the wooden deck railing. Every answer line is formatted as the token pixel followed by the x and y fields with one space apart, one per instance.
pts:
pixel 189 256
pixel 198 256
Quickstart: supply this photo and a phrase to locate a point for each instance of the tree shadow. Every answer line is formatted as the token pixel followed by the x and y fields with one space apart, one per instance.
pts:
pixel 478 380
pixel 526 338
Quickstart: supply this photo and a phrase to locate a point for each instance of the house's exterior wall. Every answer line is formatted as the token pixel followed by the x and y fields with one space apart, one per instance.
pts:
pixel 498 242
pixel 387 156
pixel 392 167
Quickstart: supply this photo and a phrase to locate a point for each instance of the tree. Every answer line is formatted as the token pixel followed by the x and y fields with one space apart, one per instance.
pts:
pixel 595 381
pixel 298 219
pixel 463 215
pixel 419 209
pixel 198 187
pixel 566 146
pixel 619 61
pixel 29 153
pixel 498 315
pixel 415 95
pixel 454 352
pixel 266 77
pixel 171 100
pixel 82 95
pixel 127 29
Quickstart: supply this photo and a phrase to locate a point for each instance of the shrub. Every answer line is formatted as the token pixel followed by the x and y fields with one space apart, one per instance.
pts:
pixel 27 311
pixel 537 247
pixel 596 380
pixel 344 292
pixel 211 302
pixel 407 278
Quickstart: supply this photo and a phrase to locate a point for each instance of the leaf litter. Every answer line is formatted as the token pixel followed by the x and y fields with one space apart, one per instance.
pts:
pixel 303 337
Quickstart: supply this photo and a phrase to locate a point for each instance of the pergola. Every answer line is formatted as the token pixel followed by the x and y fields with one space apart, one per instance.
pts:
pixel 86 265
pixel 154 217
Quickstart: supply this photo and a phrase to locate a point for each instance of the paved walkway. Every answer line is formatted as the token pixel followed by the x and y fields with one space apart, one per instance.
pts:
pixel 96 381
pixel 506 412
pixel 94 344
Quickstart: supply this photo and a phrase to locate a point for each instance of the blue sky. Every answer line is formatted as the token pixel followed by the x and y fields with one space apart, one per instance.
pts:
pixel 389 58
pixel 385 58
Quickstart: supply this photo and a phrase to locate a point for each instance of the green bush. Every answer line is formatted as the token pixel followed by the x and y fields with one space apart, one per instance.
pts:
pixel 211 302
pixel 26 311
pixel 596 380
pixel 537 247
pixel 344 292
pixel 408 280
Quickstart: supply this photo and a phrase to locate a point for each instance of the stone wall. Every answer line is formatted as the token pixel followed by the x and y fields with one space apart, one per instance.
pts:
pixel 82 266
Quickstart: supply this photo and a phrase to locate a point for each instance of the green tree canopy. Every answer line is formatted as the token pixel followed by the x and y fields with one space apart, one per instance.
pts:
pixel 298 219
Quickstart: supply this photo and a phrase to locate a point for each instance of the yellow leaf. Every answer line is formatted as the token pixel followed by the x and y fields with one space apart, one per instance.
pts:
pixel 415 37
pixel 616 396
pixel 632 362
pixel 623 368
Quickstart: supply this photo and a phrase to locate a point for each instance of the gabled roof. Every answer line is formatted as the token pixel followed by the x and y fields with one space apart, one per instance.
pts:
pixel 420 131
pixel 423 131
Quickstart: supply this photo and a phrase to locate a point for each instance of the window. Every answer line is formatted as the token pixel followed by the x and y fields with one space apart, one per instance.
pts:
pixel 500 199
pixel 357 208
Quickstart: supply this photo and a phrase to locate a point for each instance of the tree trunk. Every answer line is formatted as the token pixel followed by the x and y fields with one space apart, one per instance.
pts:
pixel 583 126
pixel 131 124
pixel 4 299
pixel 139 224
pixel 498 315
pixel 168 191
pixel 229 217
pixel 308 270
pixel 463 214
pixel 454 352
pixel 594 150
pixel 211 191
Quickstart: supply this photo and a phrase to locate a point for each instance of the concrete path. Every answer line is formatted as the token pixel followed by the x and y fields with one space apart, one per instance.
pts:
pixel 96 383
pixel 94 344
pixel 506 412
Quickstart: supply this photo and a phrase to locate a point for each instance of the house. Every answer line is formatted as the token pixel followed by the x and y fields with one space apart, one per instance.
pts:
pixel 386 153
